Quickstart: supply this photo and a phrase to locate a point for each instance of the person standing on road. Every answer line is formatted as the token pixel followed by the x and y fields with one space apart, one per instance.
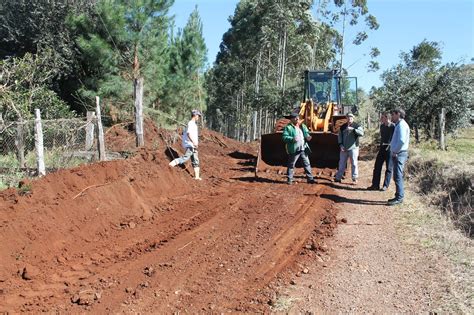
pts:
pixel 383 156
pixel 348 139
pixel 295 136
pixel 190 144
pixel 399 152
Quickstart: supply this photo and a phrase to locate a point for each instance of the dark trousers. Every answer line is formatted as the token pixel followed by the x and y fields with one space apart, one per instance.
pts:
pixel 382 157
pixel 292 158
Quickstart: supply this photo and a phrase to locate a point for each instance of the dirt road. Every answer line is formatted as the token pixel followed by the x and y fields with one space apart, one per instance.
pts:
pixel 370 265
pixel 135 235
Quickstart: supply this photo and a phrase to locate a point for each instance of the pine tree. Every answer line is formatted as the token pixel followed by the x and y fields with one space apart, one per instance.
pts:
pixel 184 89
pixel 123 41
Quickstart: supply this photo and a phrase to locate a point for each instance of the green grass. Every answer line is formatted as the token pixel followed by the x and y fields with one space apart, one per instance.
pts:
pixel 459 150
pixel 53 158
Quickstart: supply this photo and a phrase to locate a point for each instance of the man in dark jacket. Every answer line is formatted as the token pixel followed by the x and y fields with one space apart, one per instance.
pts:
pixel 348 139
pixel 295 136
pixel 383 156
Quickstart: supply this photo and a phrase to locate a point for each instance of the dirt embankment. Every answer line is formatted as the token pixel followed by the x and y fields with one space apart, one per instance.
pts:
pixel 135 235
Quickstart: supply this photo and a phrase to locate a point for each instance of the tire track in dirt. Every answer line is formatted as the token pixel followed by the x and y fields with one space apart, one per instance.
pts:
pixel 151 240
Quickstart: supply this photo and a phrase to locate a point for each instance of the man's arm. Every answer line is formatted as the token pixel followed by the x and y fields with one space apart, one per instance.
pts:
pixel 398 139
pixel 359 131
pixel 287 136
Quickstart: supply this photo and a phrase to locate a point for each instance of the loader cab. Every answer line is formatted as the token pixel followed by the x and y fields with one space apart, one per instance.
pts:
pixel 323 86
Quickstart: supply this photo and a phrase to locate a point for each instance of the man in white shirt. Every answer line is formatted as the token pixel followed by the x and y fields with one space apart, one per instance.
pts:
pixel 190 144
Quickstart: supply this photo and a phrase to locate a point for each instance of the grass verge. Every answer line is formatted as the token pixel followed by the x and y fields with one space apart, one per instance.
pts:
pixel 446 178
pixel 439 216
pixel 427 227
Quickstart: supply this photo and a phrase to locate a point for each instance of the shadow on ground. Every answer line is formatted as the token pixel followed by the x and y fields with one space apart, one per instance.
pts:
pixel 340 199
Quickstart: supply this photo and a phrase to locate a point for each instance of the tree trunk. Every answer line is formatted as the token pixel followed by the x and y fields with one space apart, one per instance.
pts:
pixel 254 134
pixel 417 134
pixel 433 128
pixel 343 34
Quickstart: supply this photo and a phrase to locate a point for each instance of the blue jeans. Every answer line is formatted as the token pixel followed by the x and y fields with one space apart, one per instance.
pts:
pixel 190 153
pixel 292 158
pixel 382 157
pixel 398 166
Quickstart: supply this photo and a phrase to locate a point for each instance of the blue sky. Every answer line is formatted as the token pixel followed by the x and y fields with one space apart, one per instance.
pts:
pixel 403 24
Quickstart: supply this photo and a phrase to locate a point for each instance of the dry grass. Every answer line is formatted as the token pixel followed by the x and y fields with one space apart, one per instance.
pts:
pixel 428 227
pixel 440 216
pixel 446 178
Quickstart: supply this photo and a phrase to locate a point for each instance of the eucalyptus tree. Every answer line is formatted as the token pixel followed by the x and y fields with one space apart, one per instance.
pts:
pixel 263 54
pixel 340 16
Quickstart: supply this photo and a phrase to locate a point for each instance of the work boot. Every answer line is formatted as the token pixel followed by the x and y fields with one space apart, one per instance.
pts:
pixel 311 181
pixel 196 174
pixel 173 163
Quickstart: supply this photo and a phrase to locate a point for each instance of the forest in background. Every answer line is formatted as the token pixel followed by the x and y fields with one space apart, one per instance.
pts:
pixel 58 55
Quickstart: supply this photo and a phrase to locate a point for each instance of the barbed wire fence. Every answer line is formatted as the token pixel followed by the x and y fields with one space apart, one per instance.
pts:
pixel 35 147
pixel 67 143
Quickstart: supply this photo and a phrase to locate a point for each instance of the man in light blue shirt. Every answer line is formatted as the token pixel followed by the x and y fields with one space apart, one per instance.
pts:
pixel 399 152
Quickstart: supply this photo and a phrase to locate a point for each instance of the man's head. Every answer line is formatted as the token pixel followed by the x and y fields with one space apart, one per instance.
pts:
pixel 196 114
pixel 293 117
pixel 350 118
pixel 385 118
pixel 397 114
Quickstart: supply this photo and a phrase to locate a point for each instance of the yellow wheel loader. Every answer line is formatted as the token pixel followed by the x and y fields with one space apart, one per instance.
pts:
pixel 327 98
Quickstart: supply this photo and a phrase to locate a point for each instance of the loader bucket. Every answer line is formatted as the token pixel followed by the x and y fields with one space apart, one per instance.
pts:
pixel 324 147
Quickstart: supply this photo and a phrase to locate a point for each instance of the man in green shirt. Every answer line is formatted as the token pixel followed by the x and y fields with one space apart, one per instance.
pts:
pixel 348 139
pixel 295 136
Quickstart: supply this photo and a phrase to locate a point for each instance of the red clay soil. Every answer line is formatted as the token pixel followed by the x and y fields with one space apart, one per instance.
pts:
pixel 137 236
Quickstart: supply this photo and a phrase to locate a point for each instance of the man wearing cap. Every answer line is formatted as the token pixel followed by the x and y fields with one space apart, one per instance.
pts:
pixel 348 139
pixel 295 136
pixel 190 144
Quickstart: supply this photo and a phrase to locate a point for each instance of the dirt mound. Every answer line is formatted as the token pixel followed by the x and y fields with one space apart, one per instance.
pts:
pixel 137 236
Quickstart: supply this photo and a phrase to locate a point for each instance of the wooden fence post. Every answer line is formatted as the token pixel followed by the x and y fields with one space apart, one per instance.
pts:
pixel 90 130
pixel 100 131
pixel 138 89
pixel 442 126
pixel 39 143
pixel 20 142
